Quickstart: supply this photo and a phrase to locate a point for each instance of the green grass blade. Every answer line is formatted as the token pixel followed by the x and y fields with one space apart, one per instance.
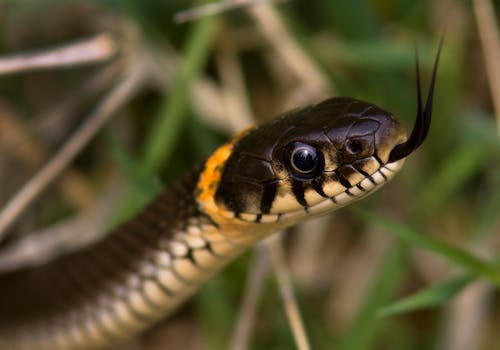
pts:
pixel 455 255
pixel 131 167
pixel 141 185
pixel 165 130
pixel 460 166
pixel 488 215
pixel 429 297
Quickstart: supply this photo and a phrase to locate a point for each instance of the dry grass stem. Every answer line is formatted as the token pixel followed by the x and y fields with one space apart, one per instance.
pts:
pixel 94 50
pixel 68 235
pixel 286 289
pixel 119 95
pixel 310 238
pixel 206 95
pixel 208 101
pixel 27 148
pixel 234 92
pixel 490 40
pixel 288 51
pixel 467 317
pixel 258 270
pixel 214 8
pixel 355 275
pixel 18 141
pixel 469 312
pixel 64 109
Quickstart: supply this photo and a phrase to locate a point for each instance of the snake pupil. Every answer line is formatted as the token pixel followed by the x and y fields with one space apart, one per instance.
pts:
pixel 304 159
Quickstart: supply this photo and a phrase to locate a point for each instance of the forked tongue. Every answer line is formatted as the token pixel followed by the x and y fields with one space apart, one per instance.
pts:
pixel 424 116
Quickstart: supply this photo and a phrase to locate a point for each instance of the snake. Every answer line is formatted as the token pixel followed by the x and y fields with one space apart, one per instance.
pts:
pixel 304 163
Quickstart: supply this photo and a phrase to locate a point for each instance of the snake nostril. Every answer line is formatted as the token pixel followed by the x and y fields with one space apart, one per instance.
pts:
pixel 354 146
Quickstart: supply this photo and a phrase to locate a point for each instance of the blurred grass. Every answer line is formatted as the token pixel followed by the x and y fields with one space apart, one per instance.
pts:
pixel 165 129
pixel 429 297
pixel 446 199
pixel 363 331
pixel 457 256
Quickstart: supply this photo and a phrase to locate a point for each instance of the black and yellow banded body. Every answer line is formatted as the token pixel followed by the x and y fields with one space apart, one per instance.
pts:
pixel 305 163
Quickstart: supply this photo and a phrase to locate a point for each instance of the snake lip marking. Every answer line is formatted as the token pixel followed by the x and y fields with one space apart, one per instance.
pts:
pixel 424 115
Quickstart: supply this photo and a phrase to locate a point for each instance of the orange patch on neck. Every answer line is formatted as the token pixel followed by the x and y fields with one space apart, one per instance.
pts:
pixel 211 175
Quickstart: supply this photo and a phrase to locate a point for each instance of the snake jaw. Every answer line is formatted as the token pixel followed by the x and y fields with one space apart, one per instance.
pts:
pixel 424 116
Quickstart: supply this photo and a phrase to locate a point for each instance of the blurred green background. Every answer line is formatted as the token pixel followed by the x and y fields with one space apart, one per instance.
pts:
pixel 412 267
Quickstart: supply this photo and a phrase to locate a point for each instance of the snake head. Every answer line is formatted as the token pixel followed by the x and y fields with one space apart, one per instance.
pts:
pixel 308 162
pixel 304 163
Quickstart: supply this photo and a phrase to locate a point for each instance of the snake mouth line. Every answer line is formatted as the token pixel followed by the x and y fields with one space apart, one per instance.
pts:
pixel 424 115
pixel 357 191
pixel 366 186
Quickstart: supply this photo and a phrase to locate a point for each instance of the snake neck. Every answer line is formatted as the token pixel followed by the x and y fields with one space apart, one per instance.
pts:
pixel 120 286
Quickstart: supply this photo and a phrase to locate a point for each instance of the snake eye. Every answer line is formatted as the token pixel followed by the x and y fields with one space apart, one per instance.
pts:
pixel 304 160
pixel 354 146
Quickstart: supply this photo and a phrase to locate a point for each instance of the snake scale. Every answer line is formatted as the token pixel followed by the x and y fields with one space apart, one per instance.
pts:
pixel 305 163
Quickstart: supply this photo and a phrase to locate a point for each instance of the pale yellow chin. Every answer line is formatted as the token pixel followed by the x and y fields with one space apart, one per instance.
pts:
pixel 360 189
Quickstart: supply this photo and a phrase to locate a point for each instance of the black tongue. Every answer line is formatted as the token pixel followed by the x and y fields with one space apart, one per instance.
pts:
pixel 424 116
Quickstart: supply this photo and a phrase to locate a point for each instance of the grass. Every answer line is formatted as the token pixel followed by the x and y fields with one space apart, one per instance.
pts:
pixel 445 201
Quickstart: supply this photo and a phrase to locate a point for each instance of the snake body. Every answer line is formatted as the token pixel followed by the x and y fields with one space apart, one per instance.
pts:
pixel 305 163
